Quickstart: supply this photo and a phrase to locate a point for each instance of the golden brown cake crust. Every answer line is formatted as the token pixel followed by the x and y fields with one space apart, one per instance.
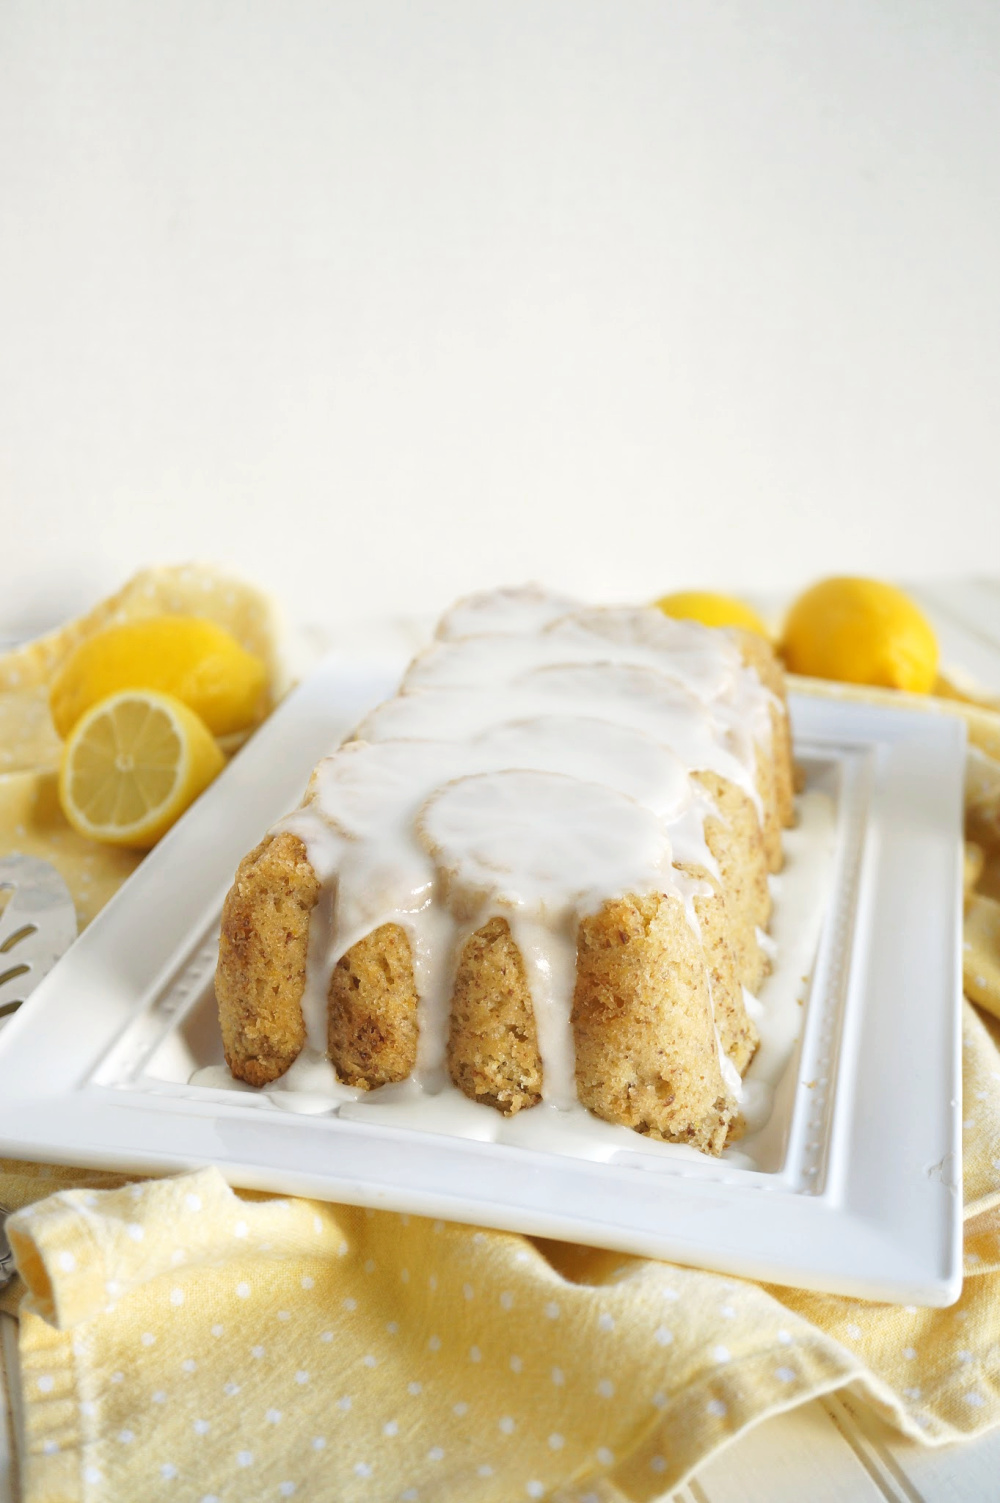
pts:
pixel 492 1044
pixel 261 972
pixel 734 838
pixel 372 1020
pixel 784 765
pixel 646 1052
pixel 737 1033
pixel 759 655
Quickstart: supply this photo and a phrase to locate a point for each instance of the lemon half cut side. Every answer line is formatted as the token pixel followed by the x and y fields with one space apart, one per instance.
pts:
pixel 132 766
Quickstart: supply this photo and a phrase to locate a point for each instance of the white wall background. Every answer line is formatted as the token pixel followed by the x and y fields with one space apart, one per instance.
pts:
pixel 379 300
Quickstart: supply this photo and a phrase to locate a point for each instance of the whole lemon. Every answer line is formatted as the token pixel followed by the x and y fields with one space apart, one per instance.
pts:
pixel 711 610
pixel 861 631
pixel 197 661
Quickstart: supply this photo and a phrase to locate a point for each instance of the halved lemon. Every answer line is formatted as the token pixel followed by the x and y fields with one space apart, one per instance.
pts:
pixel 132 766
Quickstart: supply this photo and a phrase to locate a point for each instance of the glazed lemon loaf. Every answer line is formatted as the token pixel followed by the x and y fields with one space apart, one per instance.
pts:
pixel 537 874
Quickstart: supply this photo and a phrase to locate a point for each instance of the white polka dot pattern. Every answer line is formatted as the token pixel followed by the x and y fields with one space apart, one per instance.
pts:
pixel 281 1339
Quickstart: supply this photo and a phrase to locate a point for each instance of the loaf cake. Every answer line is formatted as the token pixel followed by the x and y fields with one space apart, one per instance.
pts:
pixel 538 874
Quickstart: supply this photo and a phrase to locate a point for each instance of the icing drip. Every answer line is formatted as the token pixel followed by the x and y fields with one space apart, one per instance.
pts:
pixel 537 762
pixel 434 951
pixel 549 957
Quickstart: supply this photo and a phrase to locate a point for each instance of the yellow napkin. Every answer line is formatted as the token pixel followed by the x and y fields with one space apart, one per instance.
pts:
pixel 32 823
pixel 180 1340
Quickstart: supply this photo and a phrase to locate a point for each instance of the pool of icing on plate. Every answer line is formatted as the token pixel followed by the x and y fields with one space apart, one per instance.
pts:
pixel 800 892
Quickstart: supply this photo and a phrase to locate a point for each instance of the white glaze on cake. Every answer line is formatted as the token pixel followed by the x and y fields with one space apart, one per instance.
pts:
pixel 536 763
pixel 310 1086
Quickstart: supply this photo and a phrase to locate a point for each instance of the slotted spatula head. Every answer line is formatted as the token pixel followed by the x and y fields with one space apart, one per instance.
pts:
pixel 36 927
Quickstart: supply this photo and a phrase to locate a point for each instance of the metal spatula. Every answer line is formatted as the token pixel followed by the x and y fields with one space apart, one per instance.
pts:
pixel 37 925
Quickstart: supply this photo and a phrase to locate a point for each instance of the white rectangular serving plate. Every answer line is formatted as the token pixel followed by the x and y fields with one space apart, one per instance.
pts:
pixel 863 1196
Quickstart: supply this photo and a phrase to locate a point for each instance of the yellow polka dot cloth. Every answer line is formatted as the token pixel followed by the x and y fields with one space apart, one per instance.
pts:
pixel 180 1340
